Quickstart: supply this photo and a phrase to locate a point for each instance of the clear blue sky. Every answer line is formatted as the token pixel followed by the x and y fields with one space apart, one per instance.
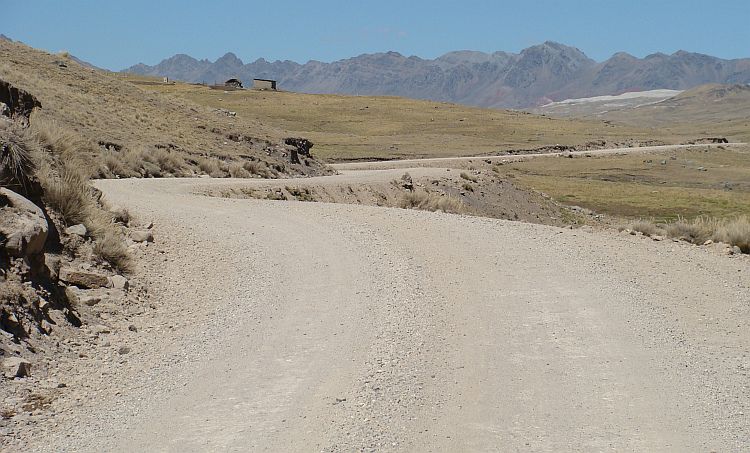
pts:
pixel 116 35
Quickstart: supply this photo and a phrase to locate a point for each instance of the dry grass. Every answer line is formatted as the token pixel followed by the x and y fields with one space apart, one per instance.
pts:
pixel 648 228
pixel 124 131
pixel 110 246
pixel 734 231
pixel 388 127
pixel 468 177
pixel 67 191
pixel 638 185
pixel 16 160
pixel 431 201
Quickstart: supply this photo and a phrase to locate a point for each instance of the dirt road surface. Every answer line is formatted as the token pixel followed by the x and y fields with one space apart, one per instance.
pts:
pixel 312 327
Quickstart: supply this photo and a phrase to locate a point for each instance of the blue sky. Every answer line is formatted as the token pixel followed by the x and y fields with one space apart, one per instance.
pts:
pixel 116 35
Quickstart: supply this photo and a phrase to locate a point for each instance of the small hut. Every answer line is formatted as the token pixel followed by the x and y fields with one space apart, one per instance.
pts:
pixel 263 84
pixel 233 82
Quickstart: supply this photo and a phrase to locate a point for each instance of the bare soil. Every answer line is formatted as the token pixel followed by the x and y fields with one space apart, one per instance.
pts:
pixel 290 326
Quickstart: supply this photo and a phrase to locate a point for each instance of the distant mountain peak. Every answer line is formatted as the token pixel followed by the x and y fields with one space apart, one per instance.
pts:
pixel 537 75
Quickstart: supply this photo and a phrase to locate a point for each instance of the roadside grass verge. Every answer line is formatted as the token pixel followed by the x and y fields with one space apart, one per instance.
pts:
pixel 666 185
pixel 61 170
pixel 734 231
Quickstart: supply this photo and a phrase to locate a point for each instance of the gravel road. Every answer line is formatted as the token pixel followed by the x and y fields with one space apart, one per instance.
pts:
pixel 289 326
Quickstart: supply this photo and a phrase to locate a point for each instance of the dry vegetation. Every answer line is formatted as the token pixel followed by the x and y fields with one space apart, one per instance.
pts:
pixel 346 128
pixel 123 131
pixel 734 231
pixel 688 183
pixel 53 158
pixel 431 201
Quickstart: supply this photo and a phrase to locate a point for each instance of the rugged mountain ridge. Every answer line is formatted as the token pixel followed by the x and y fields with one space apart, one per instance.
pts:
pixel 536 76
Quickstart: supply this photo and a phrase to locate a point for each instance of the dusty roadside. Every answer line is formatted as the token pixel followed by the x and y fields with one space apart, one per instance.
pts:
pixel 311 326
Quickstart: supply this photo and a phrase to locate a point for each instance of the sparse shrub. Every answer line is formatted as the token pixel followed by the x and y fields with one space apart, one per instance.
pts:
pixel 431 201
pixel 696 232
pixel 110 246
pixel 237 170
pixel 467 187
pixel 210 165
pixel 67 191
pixel 647 227
pixel 468 177
pixel 735 232
pixel 168 161
pixel 258 168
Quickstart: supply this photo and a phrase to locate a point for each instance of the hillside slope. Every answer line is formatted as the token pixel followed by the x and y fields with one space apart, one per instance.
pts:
pixel 708 110
pixel 121 123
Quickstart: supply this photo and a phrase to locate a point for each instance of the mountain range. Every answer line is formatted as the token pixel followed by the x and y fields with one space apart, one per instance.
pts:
pixel 536 76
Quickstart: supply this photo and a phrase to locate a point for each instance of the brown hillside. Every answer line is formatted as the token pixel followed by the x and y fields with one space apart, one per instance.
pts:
pixel 124 123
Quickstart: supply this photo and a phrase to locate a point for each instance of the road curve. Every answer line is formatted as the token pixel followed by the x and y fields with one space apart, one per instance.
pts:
pixel 317 327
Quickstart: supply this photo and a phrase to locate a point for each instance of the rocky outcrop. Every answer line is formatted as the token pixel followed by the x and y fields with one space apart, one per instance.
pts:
pixel 301 147
pixel 23 225
pixel 18 103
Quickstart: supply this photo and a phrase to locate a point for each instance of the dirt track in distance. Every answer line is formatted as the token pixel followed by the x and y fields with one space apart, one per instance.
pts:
pixel 288 326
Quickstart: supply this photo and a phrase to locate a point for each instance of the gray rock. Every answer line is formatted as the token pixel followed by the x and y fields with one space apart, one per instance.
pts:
pixel 82 278
pixel 736 250
pixel 119 282
pixel 120 214
pixel 142 236
pixel 407 182
pixel 79 230
pixel 53 262
pixel 123 350
pixel 72 296
pixel 99 329
pixel 90 300
pixel 23 224
pixel 16 367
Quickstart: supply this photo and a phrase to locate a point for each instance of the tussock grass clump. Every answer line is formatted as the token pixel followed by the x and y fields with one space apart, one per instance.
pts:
pixel 65 181
pixel 67 191
pixel 170 162
pixel 697 232
pixel 59 141
pixel 259 168
pixel 238 170
pixel 110 246
pixel 734 231
pixel 468 177
pixel 16 160
pixel 648 228
pixel 431 201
